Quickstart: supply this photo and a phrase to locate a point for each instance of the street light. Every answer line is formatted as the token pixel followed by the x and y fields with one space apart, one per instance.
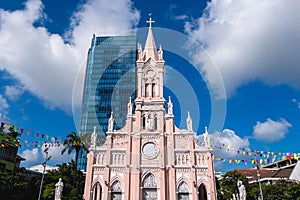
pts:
pixel 44 165
pixel 258 178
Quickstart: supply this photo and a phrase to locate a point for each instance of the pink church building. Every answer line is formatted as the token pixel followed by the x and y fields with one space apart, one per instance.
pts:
pixel 150 158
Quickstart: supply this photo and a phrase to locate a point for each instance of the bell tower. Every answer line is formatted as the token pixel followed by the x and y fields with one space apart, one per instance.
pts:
pixel 150 77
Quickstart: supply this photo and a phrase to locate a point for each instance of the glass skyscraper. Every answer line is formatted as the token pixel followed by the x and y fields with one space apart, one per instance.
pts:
pixel 109 82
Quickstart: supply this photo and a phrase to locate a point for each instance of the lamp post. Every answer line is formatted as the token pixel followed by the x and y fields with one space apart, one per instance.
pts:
pixel 44 165
pixel 258 178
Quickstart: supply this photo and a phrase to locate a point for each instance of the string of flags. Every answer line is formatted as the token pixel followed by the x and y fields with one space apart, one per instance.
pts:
pixel 262 157
pixel 288 156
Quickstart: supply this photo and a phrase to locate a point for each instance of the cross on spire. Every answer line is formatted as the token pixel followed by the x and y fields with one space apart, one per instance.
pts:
pixel 150 21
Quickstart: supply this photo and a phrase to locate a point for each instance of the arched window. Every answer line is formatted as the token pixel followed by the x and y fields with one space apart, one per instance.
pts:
pixel 116 191
pixel 183 191
pixel 202 194
pixel 97 192
pixel 153 90
pixel 144 122
pixel 148 90
pixel 149 187
pixel 155 122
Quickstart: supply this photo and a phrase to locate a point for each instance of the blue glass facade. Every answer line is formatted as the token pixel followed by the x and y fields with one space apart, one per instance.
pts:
pixel 109 82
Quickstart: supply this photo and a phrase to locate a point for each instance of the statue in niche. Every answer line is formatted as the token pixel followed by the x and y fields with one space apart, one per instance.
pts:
pixel 111 122
pixel 150 123
pixel 58 189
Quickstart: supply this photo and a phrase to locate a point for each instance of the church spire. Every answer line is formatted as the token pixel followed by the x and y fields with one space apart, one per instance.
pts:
pixel 150 47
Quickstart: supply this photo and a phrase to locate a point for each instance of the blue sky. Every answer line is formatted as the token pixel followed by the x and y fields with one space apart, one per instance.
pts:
pixel 253 46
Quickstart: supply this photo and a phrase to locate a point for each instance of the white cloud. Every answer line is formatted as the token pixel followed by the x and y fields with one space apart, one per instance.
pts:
pixel 271 131
pixel 43 62
pixel 56 157
pixel 37 156
pixel 31 156
pixel 226 143
pixel 3 108
pixel 250 40
pixel 13 92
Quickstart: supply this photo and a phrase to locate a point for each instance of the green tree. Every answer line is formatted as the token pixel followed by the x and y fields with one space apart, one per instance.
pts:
pixel 74 143
pixel 293 191
pixel 281 190
pixel 228 185
pixel 49 191
pixel 65 171
pixel 17 185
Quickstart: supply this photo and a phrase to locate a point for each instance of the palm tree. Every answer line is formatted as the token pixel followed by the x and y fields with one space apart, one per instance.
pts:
pixel 73 142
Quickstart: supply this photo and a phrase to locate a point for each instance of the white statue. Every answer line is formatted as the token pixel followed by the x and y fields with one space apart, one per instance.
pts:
pixel 58 189
pixel 170 107
pixel 140 52
pixel 160 53
pixel 129 107
pixel 149 124
pixel 242 190
pixel 94 137
pixel 206 139
pixel 189 123
pixel 111 122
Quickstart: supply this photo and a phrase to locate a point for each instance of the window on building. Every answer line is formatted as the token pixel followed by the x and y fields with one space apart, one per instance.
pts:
pixel 148 90
pixel 116 191
pixel 149 187
pixel 97 192
pixel 155 123
pixel 153 90
pixel 183 191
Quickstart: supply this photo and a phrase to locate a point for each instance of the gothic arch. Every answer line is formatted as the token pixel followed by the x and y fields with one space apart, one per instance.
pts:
pixel 202 192
pixel 115 179
pixel 99 180
pixel 116 190
pixel 182 179
pixel 96 191
pixel 149 186
pixel 149 82
pixel 183 191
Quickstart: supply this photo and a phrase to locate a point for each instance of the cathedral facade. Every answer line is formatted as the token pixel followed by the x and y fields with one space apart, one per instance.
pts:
pixel 150 158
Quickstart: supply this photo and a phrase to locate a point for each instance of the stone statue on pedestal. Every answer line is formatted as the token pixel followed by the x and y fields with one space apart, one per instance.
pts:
pixel 242 190
pixel 58 189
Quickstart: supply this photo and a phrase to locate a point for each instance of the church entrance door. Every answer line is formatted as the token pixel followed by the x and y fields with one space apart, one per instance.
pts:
pixel 202 193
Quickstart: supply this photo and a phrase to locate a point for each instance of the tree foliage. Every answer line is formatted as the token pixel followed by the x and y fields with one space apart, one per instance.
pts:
pixel 280 190
pixel 20 186
pixel 74 143
pixel 66 172
pixel 228 185
pixel 17 185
